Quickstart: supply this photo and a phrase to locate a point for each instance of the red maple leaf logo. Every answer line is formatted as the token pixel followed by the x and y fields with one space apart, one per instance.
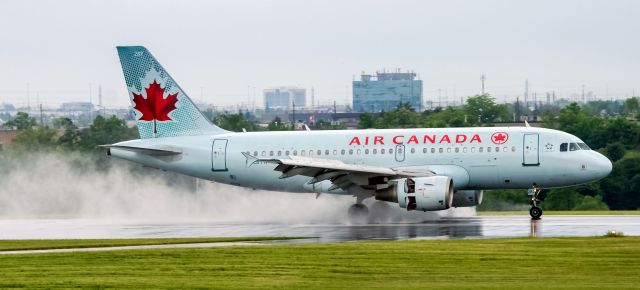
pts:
pixel 155 106
pixel 499 137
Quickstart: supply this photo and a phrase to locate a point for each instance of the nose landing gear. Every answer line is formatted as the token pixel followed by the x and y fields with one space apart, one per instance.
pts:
pixel 535 211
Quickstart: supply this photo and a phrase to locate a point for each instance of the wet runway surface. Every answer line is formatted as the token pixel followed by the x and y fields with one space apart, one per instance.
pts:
pixel 445 228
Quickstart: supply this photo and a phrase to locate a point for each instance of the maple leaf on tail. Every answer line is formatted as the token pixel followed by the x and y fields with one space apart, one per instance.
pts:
pixel 155 107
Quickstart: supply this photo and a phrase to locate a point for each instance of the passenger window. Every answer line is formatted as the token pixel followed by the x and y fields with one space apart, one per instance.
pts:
pixel 270 153
pixel 433 150
pixel 279 153
pixel 424 150
pixel 473 149
pixel 440 150
pixel 390 151
pixel 286 152
pixel 326 152
pixel 464 149
pixel 573 147
pixel 350 151
pixel 319 152
pixel 301 152
pixel 497 149
pixel 488 149
pixel 255 153
pixel 366 151
pixel 480 149
pixel 504 149
pixel 375 151
pixel 563 147
pixel 457 150
pixel 358 151
pixel 513 149
pixel 342 151
pixel 310 152
pixel 335 152
pixel 413 150
pixel 264 153
pixel 449 150
pixel 382 151
pixel 295 152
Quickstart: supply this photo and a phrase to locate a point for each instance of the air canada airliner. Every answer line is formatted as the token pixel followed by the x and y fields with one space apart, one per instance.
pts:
pixel 422 169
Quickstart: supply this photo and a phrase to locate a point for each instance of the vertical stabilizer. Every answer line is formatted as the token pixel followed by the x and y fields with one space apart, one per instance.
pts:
pixel 162 108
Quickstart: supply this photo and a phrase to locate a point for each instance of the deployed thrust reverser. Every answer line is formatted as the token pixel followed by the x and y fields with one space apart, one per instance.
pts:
pixel 429 194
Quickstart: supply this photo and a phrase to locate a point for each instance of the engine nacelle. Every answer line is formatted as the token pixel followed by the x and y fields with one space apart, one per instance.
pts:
pixel 463 198
pixel 420 193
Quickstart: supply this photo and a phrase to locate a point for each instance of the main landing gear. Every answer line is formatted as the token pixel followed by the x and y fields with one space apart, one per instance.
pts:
pixel 358 213
pixel 535 211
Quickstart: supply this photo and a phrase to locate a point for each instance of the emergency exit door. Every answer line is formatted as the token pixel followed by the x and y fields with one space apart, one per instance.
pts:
pixel 531 152
pixel 219 155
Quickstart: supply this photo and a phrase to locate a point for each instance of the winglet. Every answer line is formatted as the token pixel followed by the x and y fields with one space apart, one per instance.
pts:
pixel 250 159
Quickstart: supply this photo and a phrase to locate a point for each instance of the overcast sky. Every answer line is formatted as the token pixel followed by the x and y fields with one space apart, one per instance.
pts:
pixel 224 47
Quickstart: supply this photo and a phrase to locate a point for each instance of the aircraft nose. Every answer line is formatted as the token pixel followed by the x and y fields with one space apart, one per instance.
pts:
pixel 603 166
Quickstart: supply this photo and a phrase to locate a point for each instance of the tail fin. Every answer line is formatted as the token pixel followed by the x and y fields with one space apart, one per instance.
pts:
pixel 162 108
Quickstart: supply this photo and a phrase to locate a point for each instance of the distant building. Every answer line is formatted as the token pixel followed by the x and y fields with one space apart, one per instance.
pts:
pixel 284 97
pixel 7 107
pixel 76 107
pixel 6 137
pixel 385 91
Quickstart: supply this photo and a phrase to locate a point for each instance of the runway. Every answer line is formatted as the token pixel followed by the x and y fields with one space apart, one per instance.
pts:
pixel 444 228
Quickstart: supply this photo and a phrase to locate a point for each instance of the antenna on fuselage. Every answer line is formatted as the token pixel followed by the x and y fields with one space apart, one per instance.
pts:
pixel 306 128
pixel 526 124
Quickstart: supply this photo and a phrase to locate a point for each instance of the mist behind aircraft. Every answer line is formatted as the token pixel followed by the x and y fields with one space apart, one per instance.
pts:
pixel 71 186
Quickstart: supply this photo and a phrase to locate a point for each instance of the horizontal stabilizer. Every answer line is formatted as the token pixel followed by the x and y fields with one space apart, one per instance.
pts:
pixel 144 150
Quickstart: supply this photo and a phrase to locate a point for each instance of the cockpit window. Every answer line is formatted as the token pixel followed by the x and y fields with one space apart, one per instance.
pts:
pixel 584 146
pixel 573 147
pixel 563 147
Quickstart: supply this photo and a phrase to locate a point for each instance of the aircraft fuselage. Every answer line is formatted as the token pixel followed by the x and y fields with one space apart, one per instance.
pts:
pixel 475 158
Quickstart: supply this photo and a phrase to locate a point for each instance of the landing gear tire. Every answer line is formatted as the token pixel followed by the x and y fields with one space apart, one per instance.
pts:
pixel 358 213
pixel 535 212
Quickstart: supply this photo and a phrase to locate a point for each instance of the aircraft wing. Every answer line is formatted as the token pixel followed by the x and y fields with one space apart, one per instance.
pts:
pixel 341 174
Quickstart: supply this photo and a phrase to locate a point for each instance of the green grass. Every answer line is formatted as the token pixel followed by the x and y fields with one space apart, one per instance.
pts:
pixel 523 263
pixel 14 245
pixel 562 212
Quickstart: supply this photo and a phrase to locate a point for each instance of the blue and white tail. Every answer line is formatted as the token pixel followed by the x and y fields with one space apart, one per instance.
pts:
pixel 161 106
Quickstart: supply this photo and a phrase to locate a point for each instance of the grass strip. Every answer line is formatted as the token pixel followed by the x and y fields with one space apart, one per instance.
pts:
pixel 514 263
pixel 16 245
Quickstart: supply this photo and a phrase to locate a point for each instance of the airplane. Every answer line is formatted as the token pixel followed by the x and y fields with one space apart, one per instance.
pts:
pixel 422 169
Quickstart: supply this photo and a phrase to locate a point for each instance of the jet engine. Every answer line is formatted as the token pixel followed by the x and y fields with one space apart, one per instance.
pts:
pixel 420 193
pixel 463 198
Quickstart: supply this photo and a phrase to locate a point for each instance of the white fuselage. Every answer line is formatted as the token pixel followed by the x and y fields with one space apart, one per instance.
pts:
pixel 475 158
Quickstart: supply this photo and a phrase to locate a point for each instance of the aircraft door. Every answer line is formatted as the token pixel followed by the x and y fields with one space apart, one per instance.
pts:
pixel 530 150
pixel 219 155
pixel 400 153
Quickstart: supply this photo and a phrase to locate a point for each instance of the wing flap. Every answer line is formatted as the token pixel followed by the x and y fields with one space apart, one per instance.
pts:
pixel 330 164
